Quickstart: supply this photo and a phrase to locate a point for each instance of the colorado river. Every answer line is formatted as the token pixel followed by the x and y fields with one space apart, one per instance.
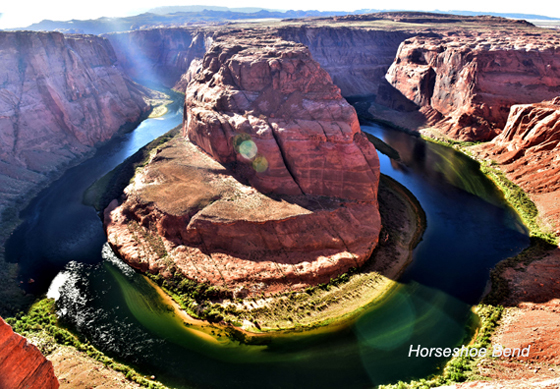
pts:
pixel 469 230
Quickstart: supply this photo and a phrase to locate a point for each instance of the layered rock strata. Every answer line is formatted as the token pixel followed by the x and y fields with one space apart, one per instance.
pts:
pixel 473 79
pixel 21 364
pixel 60 96
pixel 356 59
pixel 528 151
pixel 160 55
pixel 275 188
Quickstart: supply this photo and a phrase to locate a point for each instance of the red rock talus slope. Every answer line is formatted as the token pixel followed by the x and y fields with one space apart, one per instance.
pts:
pixel 22 366
pixel 528 151
pixel 473 79
pixel 60 95
pixel 160 55
pixel 276 188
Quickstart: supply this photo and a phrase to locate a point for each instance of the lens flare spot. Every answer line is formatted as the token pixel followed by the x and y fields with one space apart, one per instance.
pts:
pixel 260 164
pixel 248 149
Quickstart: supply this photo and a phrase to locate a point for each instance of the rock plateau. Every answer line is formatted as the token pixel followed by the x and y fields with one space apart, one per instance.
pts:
pixel 22 366
pixel 469 81
pixel 275 188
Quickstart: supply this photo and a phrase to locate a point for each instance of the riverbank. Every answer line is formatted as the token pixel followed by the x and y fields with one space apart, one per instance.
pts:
pixel 516 282
pixel 17 304
pixel 13 298
pixel 334 302
pixel 342 299
pixel 76 363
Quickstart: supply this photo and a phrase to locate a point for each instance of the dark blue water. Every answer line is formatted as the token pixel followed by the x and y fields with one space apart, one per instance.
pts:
pixel 469 226
pixel 57 227
pixel 469 230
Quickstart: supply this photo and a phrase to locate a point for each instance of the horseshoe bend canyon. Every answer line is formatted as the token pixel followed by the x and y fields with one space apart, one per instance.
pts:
pixel 203 200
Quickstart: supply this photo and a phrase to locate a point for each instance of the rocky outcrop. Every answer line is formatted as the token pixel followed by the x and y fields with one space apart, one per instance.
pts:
pixel 60 96
pixel 528 151
pixel 275 188
pixel 160 55
pixel 267 107
pixel 21 364
pixel 473 79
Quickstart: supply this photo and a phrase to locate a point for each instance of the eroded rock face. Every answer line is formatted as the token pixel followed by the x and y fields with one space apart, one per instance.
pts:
pixel 160 55
pixel 474 79
pixel 268 108
pixel 275 187
pixel 528 151
pixel 21 364
pixel 60 96
pixel 356 59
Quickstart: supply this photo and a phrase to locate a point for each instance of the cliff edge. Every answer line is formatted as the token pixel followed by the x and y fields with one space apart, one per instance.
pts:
pixel 527 151
pixel 274 186
pixel 21 364
pixel 467 82
pixel 60 96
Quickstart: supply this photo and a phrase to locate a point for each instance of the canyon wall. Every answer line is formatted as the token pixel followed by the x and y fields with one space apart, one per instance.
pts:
pixel 472 79
pixel 22 365
pixel 275 187
pixel 357 59
pixel 160 55
pixel 60 96
pixel 528 151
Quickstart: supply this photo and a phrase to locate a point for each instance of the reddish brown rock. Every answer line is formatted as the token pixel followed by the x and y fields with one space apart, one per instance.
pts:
pixel 22 366
pixel 528 151
pixel 185 210
pixel 160 55
pixel 60 96
pixel 473 79
pixel 263 113
pixel 267 107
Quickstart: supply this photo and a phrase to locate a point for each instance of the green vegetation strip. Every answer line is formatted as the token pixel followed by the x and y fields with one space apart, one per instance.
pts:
pixel 460 369
pixel 514 195
pixel 41 322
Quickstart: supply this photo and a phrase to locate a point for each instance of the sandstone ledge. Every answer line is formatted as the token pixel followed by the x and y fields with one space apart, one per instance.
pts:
pixel 254 320
pixel 472 79
pixel 527 152
pixel 187 211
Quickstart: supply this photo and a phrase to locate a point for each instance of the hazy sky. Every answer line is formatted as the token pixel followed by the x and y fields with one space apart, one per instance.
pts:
pixel 21 13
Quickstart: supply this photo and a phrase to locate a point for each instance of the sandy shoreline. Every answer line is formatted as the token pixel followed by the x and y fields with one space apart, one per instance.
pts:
pixel 375 281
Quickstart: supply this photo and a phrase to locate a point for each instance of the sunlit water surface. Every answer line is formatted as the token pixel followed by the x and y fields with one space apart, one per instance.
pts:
pixel 469 230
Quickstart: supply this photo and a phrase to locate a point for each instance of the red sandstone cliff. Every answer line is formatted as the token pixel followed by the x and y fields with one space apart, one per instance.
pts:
pixel 472 79
pixel 271 97
pixel 356 58
pixel 60 96
pixel 528 151
pixel 267 115
pixel 22 366
pixel 160 55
